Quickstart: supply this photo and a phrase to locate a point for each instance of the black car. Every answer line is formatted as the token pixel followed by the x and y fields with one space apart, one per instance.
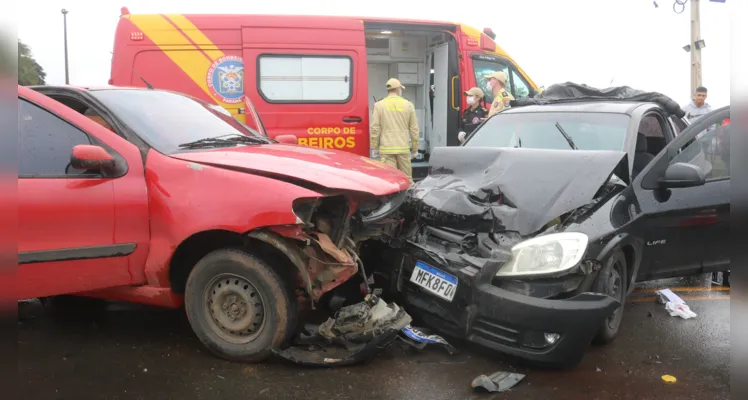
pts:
pixel 528 238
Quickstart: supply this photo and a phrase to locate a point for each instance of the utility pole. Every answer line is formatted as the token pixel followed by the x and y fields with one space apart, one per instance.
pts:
pixel 696 42
pixel 695 48
pixel 65 33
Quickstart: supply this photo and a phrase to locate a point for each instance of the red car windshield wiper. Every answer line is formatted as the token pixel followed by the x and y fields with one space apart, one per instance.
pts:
pixel 231 139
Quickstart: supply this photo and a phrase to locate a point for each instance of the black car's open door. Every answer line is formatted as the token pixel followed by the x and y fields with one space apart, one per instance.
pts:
pixel 684 199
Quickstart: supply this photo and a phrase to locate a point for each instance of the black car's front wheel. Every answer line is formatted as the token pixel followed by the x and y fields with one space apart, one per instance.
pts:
pixel 611 280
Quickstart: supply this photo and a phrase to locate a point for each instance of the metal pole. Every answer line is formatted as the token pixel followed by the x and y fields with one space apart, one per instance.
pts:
pixel 695 51
pixel 65 25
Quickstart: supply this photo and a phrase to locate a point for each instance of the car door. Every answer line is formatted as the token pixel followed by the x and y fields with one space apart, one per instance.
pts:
pixel 66 217
pixel 685 226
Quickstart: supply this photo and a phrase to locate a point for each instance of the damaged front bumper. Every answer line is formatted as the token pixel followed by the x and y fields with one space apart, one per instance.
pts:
pixel 509 317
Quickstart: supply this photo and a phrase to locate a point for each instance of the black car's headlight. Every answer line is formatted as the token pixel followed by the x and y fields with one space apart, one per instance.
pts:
pixel 388 207
pixel 544 255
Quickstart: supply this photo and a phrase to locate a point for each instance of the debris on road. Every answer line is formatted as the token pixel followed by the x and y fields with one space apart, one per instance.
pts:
pixel 680 310
pixel 674 304
pixel 498 381
pixel 418 339
pixel 356 334
pixel 669 379
pixel 667 296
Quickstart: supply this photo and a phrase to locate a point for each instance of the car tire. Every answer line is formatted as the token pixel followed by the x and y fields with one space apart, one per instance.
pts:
pixel 238 306
pixel 611 280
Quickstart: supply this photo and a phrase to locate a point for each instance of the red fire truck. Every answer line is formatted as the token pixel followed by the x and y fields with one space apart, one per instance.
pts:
pixel 315 77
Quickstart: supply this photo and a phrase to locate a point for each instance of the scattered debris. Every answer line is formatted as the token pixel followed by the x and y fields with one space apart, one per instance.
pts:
pixel 418 339
pixel 264 390
pixel 679 310
pixel 666 295
pixel 221 377
pixel 649 314
pixel 674 304
pixel 669 379
pixel 498 381
pixel 356 334
pixel 598 369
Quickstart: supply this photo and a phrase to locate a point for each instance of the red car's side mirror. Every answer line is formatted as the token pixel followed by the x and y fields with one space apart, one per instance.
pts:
pixel 91 158
pixel 288 139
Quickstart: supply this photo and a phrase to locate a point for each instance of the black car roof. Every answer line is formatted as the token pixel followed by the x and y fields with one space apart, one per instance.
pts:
pixel 615 107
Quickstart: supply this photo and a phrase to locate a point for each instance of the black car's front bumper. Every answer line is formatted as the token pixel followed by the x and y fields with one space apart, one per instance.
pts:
pixel 504 320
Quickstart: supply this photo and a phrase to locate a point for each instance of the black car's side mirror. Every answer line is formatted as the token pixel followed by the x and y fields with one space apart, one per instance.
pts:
pixel 681 175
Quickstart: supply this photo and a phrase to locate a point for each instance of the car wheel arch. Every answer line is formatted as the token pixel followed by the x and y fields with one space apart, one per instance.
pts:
pixel 191 250
pixel 631 252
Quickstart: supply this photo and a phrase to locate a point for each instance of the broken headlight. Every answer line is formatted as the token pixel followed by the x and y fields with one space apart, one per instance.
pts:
pixel 303 208
pixel 546 254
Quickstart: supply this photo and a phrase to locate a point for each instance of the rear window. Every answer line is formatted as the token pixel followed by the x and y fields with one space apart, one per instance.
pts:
pixel 589 131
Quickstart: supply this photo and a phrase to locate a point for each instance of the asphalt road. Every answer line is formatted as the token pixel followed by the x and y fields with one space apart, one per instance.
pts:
pixel 132 352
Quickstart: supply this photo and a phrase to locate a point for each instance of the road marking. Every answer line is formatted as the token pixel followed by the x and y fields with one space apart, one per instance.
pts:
pixel 685 289
pixel 642 299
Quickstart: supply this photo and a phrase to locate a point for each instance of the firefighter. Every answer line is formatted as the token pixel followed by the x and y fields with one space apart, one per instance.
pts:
pixel 394 129
pixel 474 115
pixel 501 98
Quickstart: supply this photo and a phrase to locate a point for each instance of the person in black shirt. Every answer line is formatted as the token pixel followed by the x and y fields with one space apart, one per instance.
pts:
pixel 474 115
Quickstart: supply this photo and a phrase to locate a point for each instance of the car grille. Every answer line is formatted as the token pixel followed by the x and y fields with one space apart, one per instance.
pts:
pixel 494 332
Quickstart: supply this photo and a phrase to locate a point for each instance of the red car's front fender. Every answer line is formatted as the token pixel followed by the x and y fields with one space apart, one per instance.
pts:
pixel 187 198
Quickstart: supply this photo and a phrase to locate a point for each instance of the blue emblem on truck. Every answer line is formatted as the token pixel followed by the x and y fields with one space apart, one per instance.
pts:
pixel 226 79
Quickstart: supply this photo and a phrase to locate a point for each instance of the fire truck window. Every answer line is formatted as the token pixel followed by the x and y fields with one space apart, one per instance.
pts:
pixel 483 68
pixel 520 88
pixel 45 143
pixel 305 79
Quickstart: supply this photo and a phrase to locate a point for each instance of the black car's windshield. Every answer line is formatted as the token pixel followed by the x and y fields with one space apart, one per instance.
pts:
pixel 540 130
pixel 167 120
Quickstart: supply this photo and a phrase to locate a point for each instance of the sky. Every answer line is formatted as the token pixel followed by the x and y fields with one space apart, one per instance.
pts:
pixel 596 42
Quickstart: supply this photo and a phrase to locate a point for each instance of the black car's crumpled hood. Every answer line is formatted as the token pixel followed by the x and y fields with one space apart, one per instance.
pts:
pixel 507 189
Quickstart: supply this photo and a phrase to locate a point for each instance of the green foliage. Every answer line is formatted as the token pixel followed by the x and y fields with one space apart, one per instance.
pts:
pixel 29 71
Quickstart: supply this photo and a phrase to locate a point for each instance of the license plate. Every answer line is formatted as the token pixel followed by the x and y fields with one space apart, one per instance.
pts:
pixel 435 281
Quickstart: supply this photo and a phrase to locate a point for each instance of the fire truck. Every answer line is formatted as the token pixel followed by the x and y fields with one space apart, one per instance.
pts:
pixel 316 77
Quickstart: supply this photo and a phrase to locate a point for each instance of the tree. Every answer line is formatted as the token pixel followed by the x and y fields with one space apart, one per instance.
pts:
pixel 29 71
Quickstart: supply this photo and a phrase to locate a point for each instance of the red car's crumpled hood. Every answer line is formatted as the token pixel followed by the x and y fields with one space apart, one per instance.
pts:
pixel 331 169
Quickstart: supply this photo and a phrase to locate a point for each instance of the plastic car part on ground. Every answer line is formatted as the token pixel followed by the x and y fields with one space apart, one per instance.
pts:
pixel 674 304
pixel 497 382
pixel 679 310
pixel 418 339
pixel 356 334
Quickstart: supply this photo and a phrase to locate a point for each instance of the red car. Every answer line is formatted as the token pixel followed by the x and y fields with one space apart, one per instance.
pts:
pixel 156 197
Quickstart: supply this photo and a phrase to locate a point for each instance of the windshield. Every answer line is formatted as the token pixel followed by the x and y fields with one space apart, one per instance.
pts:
pixel 587 131
pixel 165 120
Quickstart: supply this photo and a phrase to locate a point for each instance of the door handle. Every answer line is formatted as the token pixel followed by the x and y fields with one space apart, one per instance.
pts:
pixel 352 120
